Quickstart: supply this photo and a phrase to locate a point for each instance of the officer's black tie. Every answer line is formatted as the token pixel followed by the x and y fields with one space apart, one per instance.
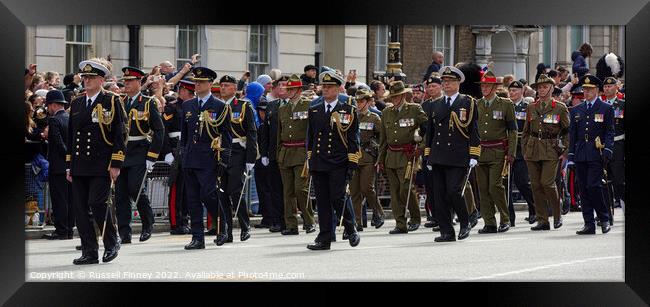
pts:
pixel 200 103
pixel 329 109
pixel 89 103
pixel 448 102
pixel 128 104
pixel 588 105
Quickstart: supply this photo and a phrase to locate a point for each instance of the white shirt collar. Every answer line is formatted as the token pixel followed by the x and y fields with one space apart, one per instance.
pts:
pixel 204 98
pixel 592 102
pixel 453 98
pixel 92 99
pixel 331 103
pixel 134 97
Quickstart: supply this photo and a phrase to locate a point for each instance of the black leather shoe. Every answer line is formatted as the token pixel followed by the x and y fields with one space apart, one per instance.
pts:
pixel 290 232
pixel 319 246
pixel 275 228
pixel 126 240
pixel 110 254
pixel 430 224
pixel 245 235
pixel 262 226
pixel 557 224
pixel 445 238
pixel 359 228
pixel 503 228
pixel 180 231
pixel 87 258
pixel 310 228
pixel 78 247
pixel 56 236
pixel 473 220
pixel 587 230
pixel 606 227
pixel 541 226
pixel 211 232
pixel 464 233
pixel 221 239
pixel 196 244
pixel 229 238
pixel 397 231
pixel 144 236
pixel 379 222
pixel 355 238
pixel 531 219
pixel 413 227
pixel 488 229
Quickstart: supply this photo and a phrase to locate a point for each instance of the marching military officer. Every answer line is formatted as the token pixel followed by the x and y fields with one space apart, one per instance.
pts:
pixel 362 185
pixel 242 159
pixel 544 143
pixel 498 133
pixel 206 143
pixel 268 139
pixel 399 146
pixel 519 169
pixel 617 165
pixel 96 139
pixel 591 148
pixel 291 154
pixel 333 155
pixel 172 154
pixel 453 148
pixel 434 91
pixel 143 146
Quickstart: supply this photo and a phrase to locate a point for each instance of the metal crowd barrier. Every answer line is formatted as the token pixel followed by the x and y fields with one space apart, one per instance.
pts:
pixel 36 192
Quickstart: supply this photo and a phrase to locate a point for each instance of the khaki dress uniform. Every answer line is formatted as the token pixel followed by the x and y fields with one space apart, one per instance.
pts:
pixel 399 125
pixel 545 138
pixel 292 155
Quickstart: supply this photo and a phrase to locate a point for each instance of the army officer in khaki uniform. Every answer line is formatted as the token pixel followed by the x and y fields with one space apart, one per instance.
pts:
pixel 399 142
pixel 292 156
pixel 497 128
pixel 363 182
pixel 545 141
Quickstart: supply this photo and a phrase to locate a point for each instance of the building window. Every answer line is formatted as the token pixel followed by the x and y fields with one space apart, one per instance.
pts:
pixel 381 48
pixel 188 44
pixel 577 37
pixel 443 41
pixel 547 41
pixel 77 46
pixel 258 50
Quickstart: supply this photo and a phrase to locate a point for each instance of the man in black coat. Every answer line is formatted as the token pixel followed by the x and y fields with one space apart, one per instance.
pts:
pixel 56 150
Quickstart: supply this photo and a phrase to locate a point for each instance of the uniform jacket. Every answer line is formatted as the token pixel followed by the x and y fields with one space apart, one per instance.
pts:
pixel 57 138
pixel 199 136
pixel 268 137
pixel 292 129
pixel 497 122
pixel 586 125
pixel 327 146
pixel 453 146
pixel 143 119
pixel 242 125
pixel 520 115
pixel 96 135
pixel 398 128
pixel 370 130
pixel 619 113
pixel 545 134
pixel 171 118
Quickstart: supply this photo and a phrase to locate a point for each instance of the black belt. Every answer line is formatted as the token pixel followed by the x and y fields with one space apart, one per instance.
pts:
pixel 544 135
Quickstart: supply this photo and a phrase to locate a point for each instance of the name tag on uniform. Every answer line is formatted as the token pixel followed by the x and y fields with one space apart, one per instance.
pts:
pixel 599 118
pixel 366 126
pixel 300 115
pixel 520 115
pixel 463 114
pixel 618 113
pixel 407 122
pixel 551 119
pixel 497 114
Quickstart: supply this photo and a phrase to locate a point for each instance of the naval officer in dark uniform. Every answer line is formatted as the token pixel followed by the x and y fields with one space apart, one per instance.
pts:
pixel 96 139
pixel 333 155
pixel 205 142
pixel 590 120
pixel 144 143
pixel 453 147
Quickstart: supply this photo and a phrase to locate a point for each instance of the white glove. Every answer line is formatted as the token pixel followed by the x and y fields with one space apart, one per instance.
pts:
pixel 249 167
pixel 265 161
pixel 150 165
pixel 169 158
pixel 472 162
pixel 430 167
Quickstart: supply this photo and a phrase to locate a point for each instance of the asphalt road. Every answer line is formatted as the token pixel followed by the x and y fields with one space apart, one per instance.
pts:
pixel 517 255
